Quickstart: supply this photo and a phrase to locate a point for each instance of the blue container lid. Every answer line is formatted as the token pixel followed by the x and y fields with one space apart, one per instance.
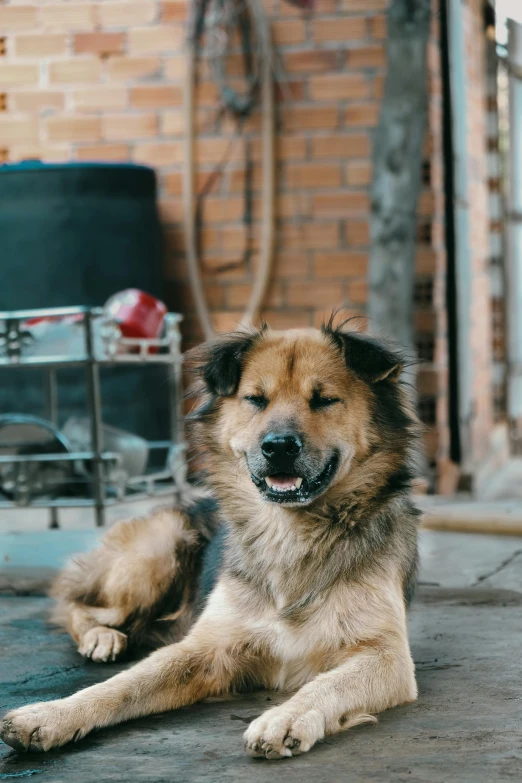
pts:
pixel 35 165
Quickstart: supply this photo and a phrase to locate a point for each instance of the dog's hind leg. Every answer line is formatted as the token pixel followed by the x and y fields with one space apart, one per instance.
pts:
pixel 110 597
pixel 94 630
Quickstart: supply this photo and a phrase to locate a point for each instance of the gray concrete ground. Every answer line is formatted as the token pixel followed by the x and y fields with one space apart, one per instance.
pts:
pixel 465 628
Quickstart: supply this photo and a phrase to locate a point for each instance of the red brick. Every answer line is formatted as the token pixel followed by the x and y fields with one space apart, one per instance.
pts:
pixel 174 11
pixel 358 291
pixel 40 45
pixel 214 150
pixel 346 29
pixel 321 7
pixel 310 117
pixel 17 129
pixel 378 27
pixel 174 183
pixel 377 87
pixel 313 175
pixel 340 204
pixel 15 74
pixel 125 14
pixel 229 266
pixel 315 294
pixel 233 237
pixel 340 264
pixel 292 265
pixel 338 87
pixel 67 16
pixel 237 179
pixel 121 68
pixel 425 261
pixel 364 5
pixel 310 61
pixel 99 43
pixel 288 31
pixel 216 210
pixel 116 127
pixel 152 96
pixel 357 233
pixel 155 39
pixel 104 152
pixel 18 17
pixel 346 146
pixel 53 154
pixel 170 210
pixel 239 295
pixel 175 67
pixel 227 321
pixel 296 204
pixel 359 173
pixel 361 115
pixel 207 94
pixel 310 236
pixel 37 101
pixel 291 91
pixel 158 153
pixel 366 57
pixel 172 123
pixel 101 98
pixel 286 319
pixel 75 71
pixel 72 129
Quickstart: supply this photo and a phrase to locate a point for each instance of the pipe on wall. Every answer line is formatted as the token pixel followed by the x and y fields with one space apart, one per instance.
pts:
pixel 514 236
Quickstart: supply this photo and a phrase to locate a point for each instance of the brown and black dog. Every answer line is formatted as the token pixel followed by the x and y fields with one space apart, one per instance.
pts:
pixel 308 438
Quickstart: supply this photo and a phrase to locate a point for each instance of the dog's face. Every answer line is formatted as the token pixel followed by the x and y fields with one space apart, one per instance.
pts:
pixel 292 410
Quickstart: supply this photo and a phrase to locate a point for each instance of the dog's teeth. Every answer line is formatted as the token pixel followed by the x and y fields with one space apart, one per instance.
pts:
pixel 277 486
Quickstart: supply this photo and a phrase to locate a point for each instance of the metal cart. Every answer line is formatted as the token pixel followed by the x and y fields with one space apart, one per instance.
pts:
pixel 97 342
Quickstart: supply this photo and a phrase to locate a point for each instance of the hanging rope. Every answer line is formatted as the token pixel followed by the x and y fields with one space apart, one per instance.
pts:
pixel 217 20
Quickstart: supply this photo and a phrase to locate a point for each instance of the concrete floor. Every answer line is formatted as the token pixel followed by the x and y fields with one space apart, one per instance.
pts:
pixel 466 631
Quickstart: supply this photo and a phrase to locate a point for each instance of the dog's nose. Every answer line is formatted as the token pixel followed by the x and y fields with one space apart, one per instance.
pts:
pixel 281 447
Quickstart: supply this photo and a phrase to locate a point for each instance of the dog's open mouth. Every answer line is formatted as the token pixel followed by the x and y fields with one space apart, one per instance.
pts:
pixel 286 488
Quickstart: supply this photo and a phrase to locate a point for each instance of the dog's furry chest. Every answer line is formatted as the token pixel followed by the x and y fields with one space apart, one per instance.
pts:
pixel 318 640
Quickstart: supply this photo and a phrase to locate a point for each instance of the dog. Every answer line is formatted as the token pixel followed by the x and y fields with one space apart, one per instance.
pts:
pixel 293 572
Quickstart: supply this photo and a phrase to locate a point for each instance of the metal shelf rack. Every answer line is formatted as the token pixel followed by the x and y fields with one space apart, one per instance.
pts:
pixel 102 345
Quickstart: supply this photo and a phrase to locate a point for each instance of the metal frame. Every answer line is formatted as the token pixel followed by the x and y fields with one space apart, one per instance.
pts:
pixel 112 349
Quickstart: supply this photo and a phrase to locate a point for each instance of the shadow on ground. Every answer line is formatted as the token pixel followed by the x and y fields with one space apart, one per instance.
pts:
pixel 466 630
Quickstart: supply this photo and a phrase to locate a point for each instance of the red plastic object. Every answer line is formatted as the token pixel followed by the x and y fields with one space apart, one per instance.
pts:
pixel 137 314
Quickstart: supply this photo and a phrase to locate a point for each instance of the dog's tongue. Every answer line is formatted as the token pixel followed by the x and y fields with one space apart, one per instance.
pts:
pixel 282 481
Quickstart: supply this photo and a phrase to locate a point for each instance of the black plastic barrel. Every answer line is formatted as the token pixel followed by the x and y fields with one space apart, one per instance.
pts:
pixel 74 234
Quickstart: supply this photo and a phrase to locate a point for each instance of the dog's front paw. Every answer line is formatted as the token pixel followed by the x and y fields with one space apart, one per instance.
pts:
pixel 40 727
pixel 283 732
pixel 102 644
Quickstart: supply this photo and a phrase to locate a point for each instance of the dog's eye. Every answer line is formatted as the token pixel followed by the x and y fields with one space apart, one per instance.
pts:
pixel 259 400
pixel 318 402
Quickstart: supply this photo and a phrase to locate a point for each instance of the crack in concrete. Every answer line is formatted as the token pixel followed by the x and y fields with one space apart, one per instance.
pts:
pixel 55 673
pixel 499 568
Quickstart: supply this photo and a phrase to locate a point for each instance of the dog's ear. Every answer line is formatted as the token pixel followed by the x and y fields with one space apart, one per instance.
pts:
pixel 219 362
pixel 367 358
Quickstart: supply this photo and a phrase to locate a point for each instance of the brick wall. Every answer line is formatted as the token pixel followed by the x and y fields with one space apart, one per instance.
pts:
pixel 103 81
pixel 84 81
